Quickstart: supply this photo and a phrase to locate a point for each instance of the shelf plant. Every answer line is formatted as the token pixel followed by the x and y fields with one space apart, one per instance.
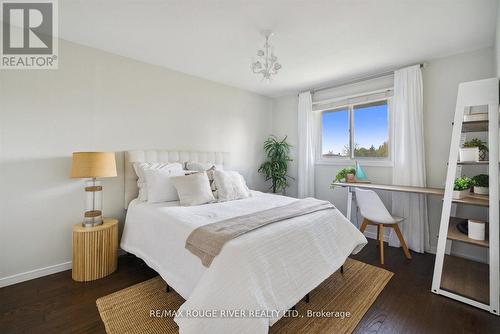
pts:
pixel 473 150
pixel 481 183
pixel 461 187
pixel 344 174
pixel 276 167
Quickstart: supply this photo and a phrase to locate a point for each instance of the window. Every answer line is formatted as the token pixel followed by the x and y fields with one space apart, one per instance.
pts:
pixel 335 133
pixel 356 131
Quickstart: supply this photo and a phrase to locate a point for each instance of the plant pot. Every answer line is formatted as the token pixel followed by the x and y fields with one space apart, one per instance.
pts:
pixel 481 190
pixel 483 155
pixel 469 154
pixel 459 194
pixel 350 177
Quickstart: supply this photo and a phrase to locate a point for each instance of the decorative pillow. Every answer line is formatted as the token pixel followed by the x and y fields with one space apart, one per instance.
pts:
pixel 159 186
pixel 211 179
pixel 230 185
pixel 205 167
pixel 140 167
pixel 200 166
pixel 193 189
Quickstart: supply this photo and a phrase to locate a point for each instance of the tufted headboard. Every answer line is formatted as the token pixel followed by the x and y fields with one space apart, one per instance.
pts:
pixel 131 189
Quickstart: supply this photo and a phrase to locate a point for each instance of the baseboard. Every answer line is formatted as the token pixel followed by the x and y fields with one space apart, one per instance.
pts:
pixel 40 272
pixel 29 275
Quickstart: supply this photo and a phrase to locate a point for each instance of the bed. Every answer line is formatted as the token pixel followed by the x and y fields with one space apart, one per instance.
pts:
pixel 268 269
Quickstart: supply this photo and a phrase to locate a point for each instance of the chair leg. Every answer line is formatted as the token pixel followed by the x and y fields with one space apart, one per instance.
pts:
pixel 363 225
pixel 378 233
pixel 381 242
pixel 402 241
pixel 342 269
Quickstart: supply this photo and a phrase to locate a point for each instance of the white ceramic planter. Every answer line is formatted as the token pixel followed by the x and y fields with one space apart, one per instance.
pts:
pixel 469 154
pixel 481 190
pixel 459 194
pixel 477 229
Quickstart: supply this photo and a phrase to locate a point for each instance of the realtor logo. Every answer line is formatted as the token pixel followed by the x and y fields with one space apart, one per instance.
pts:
pixel 29 34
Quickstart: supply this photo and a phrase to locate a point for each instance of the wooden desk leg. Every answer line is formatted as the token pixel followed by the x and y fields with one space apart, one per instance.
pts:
pixel 349 203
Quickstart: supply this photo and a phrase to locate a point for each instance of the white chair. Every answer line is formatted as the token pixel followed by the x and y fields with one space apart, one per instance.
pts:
pixel 374 213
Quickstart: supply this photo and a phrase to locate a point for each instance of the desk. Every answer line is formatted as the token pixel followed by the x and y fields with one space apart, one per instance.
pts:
pixel 405 189
pixel 471 199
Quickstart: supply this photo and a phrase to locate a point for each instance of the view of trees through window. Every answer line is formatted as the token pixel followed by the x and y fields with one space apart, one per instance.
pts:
pixel 370 133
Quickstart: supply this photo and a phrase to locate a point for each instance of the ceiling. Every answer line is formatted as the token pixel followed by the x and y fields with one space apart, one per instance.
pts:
pixel 317 42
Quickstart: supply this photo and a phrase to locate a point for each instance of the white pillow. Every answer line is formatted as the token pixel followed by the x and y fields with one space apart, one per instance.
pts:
pixel 201 166
pixel 140 167
pixel 193 167
pixel 193 189
pixel 159 186
pixel 230 185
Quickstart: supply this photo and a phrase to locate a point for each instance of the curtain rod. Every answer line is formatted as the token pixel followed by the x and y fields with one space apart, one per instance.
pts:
pixel 350 82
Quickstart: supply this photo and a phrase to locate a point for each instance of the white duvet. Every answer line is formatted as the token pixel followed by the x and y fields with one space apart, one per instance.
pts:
pixel 265 270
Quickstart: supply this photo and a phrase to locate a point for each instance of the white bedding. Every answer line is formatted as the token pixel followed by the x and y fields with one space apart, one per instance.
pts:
pixel 270 268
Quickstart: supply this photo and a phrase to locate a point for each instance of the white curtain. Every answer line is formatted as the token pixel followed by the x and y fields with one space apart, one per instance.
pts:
pixel 306 146
pixel 409 158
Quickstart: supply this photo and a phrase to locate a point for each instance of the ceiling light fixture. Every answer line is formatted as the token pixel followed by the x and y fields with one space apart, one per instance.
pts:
pixel 267 63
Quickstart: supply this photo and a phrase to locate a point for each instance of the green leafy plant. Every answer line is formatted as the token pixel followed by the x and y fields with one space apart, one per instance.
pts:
pixel 476 143
pixel 481 180
pixel 342 174
pixel 462 183
pixel 276 166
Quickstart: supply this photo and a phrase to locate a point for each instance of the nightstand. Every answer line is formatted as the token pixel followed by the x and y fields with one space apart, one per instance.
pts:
pixel 95 250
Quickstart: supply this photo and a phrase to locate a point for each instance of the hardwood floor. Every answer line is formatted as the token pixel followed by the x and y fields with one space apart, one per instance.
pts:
pixel 56 304
pixel 406 305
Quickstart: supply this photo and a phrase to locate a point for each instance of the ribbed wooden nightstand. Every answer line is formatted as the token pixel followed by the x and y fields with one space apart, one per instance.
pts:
pixel 95 250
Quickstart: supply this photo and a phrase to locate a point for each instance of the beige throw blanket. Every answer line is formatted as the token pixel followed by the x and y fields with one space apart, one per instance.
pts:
pixel 207 241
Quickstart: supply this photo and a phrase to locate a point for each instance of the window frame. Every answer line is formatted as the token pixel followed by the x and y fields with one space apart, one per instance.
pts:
pixel 350 160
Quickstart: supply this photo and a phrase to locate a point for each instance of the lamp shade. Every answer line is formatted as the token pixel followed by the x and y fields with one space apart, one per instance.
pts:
pixel 93 164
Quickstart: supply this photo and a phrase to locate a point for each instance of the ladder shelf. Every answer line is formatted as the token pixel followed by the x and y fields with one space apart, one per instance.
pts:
pixel 473 199
pixel 455 234
pixel 483 162
pixel 475 126
pixel 479 285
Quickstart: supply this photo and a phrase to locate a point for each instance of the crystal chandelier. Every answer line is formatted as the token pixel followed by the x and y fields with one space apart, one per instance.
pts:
pixel 267 63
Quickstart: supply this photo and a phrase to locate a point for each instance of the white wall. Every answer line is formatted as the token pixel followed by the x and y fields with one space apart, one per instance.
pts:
pixel 284 123
pixel 99 101
pixel 441 79
pixel 497 41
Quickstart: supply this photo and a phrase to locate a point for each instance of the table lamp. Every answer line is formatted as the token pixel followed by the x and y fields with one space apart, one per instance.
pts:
pixel 93 165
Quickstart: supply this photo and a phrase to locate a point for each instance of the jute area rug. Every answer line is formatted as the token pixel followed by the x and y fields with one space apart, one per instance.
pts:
pixel 336 305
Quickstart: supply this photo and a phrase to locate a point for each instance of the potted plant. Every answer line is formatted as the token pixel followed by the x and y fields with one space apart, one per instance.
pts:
pixel 461 187
pixel 481 184
pixel 276 166
pixel 345 174
pixel 473 150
